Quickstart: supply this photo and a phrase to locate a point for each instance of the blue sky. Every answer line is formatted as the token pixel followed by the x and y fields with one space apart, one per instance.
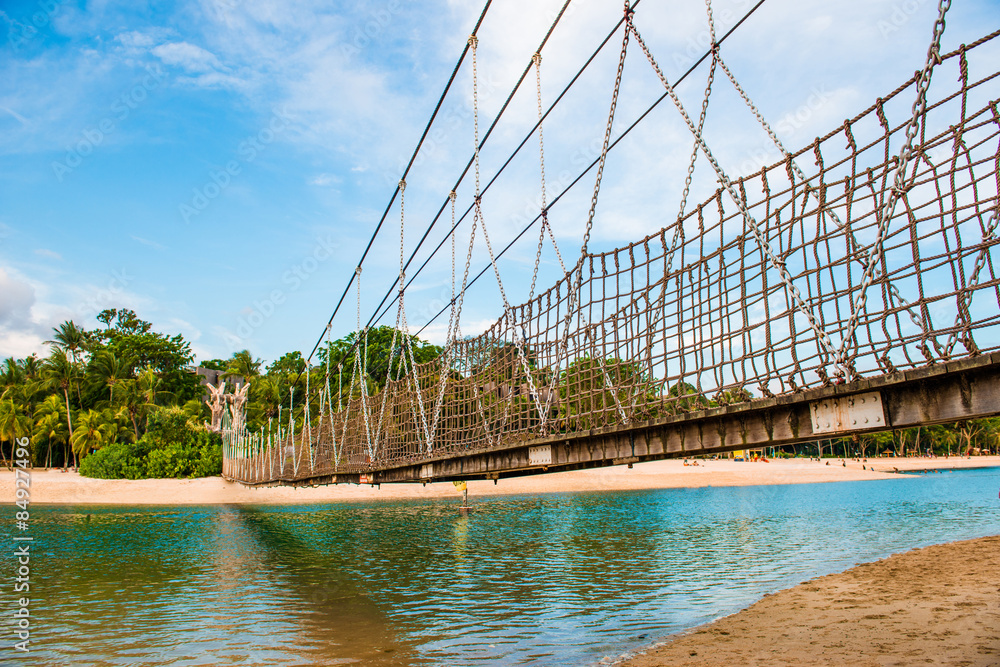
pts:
pixel 218 165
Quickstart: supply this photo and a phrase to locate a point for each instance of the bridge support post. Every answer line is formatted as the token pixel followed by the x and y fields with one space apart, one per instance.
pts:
pixel 464 509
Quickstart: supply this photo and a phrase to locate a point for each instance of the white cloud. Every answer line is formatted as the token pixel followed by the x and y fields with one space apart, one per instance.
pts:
pixel 136 40
pixel 188 56
pixel 324 180
pixel 45 252
pixel 185 328
pixel 17 297
pixel 20 333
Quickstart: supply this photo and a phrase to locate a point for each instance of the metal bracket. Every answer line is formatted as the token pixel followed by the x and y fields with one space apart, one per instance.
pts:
pixel 540 455
pixel 859 412
pixel 427 471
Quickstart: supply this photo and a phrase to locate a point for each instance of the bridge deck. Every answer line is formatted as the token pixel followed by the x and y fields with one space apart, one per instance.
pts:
pixel 964 389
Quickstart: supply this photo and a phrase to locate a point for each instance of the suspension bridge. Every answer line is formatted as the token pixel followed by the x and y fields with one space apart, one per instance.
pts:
pixel 849 287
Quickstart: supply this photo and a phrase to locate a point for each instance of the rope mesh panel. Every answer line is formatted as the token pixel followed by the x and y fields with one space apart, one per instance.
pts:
pixel 677 322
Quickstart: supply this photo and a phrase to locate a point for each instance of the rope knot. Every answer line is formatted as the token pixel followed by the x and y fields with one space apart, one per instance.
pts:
pixel 473 41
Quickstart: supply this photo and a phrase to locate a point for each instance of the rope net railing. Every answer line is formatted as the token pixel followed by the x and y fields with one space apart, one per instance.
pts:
pixel 699 314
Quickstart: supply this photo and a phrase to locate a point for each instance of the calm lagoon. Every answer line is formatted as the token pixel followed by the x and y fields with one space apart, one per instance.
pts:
pixel 561 579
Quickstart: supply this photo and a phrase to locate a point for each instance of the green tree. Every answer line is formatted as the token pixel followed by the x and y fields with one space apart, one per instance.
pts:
pixel 375 350
pixel 119 424
pixel 243 365
pixel 594 392
pixel 107 369
pixel 128 336
pixel 71 338
pixel 14 424
pixel 50 426
pixel 92 433
pixel 58 372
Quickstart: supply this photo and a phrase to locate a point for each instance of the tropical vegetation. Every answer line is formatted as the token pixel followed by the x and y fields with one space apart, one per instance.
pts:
pixel 123 401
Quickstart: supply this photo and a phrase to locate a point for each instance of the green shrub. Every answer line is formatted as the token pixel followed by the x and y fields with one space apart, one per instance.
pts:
pixel 169 448
pixel 172 461
pixel 167 427
pixel 116 461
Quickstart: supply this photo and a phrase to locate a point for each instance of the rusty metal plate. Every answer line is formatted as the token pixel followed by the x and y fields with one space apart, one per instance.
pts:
pixel 848 413
pixel 427 471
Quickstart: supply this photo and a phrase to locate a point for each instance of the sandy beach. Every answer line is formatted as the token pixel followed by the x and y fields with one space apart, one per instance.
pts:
pixel 56 487
pixel 939 606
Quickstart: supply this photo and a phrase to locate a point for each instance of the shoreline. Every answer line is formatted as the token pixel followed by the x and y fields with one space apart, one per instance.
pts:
pixel 53 487
pixel 887 612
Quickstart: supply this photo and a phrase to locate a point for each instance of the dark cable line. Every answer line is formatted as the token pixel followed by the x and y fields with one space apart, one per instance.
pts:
pixel 517 150
pixel 395 192
pixel 461 177
pixel 582 174
pixel 565 190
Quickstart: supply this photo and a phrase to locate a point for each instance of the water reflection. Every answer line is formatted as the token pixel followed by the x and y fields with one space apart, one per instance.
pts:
pixel 560 579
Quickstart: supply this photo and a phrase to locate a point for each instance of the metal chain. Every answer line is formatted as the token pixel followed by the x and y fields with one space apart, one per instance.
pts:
pixel 679 229
pixel 574 285
pixel 898 184
pixel 786 278
pixel 357 273
pixel 329 397
pixel 451 316
pixel 988 236
pixel 537 59
pixel 546 228
pixel 607 134
pixel 360 372
pixel 508 314
pixel 858 252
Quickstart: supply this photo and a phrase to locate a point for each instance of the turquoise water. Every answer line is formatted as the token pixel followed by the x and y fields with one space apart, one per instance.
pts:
pixel 566 579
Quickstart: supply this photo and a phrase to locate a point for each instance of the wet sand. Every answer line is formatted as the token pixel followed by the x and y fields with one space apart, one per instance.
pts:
pixel 55 487
pixel 937 606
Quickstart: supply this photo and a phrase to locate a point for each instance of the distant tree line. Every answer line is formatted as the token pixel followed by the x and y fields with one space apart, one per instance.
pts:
pixel 109 391
pixel 122 401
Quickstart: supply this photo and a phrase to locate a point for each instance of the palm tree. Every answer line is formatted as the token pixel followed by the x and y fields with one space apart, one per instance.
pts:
pixel 31 367
pixel 149 384
pixel 132 400
pixel 267 396
pixel 117 420
pixel 106 369
pixel 49 425
pixel 13 424
pixel 58 372
pixel 243 365
pixel 194 409
pixel 92 433
pixel 73 339
pixel 11 374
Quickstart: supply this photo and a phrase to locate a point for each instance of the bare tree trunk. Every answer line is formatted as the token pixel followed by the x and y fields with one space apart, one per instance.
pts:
pixel 916 442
